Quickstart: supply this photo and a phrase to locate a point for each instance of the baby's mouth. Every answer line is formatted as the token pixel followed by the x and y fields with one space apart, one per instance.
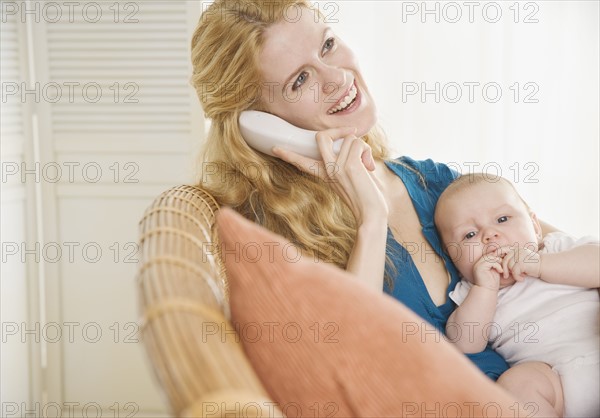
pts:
pixel 489 249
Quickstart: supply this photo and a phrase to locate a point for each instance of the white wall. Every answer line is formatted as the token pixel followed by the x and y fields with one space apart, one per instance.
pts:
pixel 548 148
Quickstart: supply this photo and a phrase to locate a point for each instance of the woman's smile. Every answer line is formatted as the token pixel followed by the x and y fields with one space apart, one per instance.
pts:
pixel 346 103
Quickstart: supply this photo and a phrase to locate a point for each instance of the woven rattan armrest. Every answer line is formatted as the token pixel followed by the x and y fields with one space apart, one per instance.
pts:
pixel 183 296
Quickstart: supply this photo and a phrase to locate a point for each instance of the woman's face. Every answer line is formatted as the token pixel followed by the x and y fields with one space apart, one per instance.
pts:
pixel 311 78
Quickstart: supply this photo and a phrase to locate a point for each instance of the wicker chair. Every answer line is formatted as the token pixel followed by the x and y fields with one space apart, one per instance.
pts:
pixel 182 289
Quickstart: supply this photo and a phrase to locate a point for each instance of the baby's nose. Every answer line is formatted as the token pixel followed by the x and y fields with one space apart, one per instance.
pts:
pixel 491 236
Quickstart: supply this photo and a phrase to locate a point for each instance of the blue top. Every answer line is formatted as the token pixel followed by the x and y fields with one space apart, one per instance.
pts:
pixel 408 286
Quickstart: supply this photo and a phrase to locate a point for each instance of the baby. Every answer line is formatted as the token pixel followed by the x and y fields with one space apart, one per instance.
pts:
pixel 532 299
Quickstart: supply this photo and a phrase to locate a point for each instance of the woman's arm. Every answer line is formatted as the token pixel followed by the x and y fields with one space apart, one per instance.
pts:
pixel 367 259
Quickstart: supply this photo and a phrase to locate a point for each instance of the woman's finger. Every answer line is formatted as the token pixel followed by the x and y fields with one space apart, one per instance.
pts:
pixel 325 142
pixel 356 149
pixel 342 157
pixel 366 155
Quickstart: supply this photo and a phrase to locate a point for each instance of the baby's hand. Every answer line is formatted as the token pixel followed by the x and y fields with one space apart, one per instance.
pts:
pixel 487 271
pixel 520 262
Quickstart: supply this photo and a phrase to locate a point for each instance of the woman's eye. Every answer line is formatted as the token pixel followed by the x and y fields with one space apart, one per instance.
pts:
pixel 329 44
pixel 300 80
pixel 502 219
pixel 470 235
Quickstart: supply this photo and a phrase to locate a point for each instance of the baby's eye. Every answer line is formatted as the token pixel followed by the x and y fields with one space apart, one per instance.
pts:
pixel 470 235
pixel 502 219
pixel 300 80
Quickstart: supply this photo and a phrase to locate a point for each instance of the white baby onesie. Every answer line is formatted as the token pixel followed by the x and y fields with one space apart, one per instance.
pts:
pixel 553 323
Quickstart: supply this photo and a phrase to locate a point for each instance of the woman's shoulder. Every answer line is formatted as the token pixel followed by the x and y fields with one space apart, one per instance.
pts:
pixel 429 172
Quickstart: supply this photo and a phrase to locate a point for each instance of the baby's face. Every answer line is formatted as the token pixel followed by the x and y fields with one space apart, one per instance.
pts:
pixel 481 218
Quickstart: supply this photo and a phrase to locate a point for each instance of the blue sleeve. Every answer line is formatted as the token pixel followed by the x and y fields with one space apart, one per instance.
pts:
pixel 437 176
pixel 489 362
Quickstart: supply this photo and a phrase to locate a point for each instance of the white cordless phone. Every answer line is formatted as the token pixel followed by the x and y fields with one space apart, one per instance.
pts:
pixel 263 131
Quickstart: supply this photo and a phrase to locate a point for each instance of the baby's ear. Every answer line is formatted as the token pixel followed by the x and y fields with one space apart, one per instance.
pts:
pixel 536 226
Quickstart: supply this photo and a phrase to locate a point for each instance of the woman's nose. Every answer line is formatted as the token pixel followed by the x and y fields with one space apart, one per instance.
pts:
pixel 334 81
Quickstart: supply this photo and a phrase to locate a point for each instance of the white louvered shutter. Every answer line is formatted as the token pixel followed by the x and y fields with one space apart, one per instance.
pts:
pixel 15 371
pixel 119 121
pixel 139 59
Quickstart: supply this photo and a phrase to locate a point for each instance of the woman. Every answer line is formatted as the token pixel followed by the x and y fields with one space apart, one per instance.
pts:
pixel 279 57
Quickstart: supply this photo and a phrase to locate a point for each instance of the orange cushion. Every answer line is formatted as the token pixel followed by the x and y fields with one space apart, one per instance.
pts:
pixel 325 344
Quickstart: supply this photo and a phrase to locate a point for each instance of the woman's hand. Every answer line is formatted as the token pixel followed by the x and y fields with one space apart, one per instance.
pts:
pixel 350 173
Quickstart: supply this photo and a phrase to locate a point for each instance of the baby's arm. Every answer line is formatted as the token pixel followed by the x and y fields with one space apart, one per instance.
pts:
pixel 466 325
pixel 578 266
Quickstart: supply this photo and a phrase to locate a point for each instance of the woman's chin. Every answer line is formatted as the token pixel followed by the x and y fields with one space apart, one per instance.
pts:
pixel 364 124
pixel 366 130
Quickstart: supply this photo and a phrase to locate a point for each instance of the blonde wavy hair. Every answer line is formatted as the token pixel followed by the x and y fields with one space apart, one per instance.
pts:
pixel 301 207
